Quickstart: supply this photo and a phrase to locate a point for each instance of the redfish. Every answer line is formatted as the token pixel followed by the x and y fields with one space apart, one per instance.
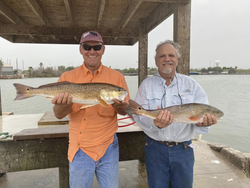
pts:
pixel 186 113
pixel 89 94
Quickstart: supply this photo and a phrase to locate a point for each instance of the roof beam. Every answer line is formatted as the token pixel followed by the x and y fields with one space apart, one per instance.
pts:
pixel 9 38
pixel 9 29
pixel 68 8
pixel 38 11
pixel 9 14
pixel 169 1
pixel 100 12
pixel 162 12
pixel 12 16
pixel 68 40
pixel 130 12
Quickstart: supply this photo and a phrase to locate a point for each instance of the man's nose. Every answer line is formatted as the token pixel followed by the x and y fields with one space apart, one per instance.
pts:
pixel 92 50
pixel 167 58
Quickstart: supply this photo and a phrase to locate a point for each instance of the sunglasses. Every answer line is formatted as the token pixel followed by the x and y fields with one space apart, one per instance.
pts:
pixel 88 47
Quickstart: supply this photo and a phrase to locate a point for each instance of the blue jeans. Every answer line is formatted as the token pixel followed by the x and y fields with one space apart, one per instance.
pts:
pixel 165 163
pixel 83 168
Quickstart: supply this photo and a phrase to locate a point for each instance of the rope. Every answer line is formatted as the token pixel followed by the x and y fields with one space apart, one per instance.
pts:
pixel 127 124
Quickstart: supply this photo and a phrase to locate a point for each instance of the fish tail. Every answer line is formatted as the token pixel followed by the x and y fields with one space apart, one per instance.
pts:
pixel 21 91
pixel 133 108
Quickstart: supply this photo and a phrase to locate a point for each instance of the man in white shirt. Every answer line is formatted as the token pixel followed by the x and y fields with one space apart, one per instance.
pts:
pixel 167 149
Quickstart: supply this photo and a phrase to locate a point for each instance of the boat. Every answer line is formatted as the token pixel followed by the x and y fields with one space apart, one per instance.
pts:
pixel 193 73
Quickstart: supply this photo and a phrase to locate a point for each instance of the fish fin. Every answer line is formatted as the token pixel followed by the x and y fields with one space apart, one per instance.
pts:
pixel 21 91
pixel 195 118
pixel 103 103
pixel 86 106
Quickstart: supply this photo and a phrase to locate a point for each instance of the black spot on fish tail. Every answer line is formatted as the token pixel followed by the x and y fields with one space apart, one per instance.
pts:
pixel 21 91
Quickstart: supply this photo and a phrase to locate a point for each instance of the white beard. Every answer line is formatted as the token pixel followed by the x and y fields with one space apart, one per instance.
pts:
pixel 167 70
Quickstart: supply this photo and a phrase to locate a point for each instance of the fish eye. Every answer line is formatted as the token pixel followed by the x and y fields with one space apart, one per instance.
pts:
pixel 139 108
pixel 28 89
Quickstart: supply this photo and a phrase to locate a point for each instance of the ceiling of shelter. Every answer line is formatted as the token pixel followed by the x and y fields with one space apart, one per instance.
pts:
pixel 63 21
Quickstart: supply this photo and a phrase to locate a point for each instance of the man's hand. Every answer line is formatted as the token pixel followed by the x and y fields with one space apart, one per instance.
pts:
pixel 62 99
pixel 208 120
pixel 164 119
pixel 62 105
pixel 120 106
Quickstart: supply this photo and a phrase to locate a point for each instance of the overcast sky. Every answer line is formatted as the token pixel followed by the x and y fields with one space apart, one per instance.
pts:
pixel 219 32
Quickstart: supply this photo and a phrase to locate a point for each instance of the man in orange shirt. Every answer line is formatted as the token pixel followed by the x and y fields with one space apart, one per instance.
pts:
pixel 93 145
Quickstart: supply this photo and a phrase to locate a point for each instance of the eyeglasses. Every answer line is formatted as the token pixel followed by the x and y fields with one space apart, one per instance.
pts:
pixel 88 47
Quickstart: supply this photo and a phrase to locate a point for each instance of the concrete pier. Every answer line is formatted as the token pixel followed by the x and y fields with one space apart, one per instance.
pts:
pixel 211 169
pixel 215 165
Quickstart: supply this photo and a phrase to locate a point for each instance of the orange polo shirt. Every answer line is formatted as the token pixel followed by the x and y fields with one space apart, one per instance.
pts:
pixel 92 129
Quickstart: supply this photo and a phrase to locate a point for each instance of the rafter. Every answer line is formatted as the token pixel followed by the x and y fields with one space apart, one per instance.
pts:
pixel 66 40
pixel 100 12
pixel 130 12
pixel 9 29
pixel 169 1
pixel 38 11
pixel 162 12
pixel 10 15
pixel 68 8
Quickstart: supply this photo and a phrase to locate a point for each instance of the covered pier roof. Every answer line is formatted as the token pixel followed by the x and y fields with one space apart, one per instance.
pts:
pixel 120 22
pixel 63 21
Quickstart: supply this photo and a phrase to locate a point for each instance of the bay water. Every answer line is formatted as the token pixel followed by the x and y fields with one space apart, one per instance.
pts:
pixel 229 93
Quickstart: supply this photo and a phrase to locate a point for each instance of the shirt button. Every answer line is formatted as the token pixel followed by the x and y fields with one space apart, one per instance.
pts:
pixel 78 144
pixel 84 119
pixel 90 80
pixel 80 132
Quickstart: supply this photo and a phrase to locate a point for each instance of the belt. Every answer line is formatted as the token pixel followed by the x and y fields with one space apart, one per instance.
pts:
pixel 170 143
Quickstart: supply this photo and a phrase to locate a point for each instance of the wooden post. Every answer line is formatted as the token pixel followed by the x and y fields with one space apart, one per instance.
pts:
pixel 64 176
pixel 1 112
pixel 182 19
pixel 143 52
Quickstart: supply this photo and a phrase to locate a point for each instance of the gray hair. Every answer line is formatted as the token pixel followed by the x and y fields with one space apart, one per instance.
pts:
pixel 176 46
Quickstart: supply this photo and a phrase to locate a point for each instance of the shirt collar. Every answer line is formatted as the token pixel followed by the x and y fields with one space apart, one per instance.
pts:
pixel 86 71
pixel 163 81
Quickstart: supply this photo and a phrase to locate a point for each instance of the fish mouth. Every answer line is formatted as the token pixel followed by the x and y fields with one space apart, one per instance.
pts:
pixel 122 97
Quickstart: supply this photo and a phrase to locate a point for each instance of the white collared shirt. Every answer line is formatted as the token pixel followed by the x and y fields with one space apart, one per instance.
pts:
pixel 150 95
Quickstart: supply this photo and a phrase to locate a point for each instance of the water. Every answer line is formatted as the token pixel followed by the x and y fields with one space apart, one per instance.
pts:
pixel 229 93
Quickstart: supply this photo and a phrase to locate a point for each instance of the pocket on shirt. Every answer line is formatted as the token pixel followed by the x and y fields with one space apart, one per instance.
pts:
pixel 154 100
pixel 106 111
pixel 184 98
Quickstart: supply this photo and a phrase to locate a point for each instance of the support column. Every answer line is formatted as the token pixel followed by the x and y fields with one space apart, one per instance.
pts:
pixel 143 52
pixel 1 112
pixel 64 176
pixel 182 21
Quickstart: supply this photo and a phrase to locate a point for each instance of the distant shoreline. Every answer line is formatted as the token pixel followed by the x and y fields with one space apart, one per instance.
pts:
pixel 124 74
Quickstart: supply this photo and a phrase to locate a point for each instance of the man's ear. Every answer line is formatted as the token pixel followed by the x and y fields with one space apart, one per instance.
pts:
pixel 103 49
pixel 80 49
